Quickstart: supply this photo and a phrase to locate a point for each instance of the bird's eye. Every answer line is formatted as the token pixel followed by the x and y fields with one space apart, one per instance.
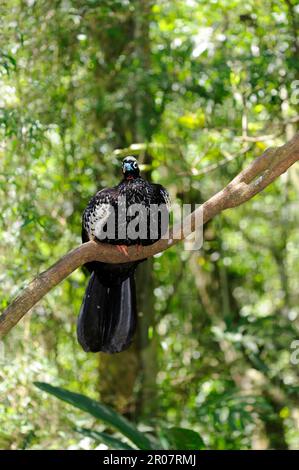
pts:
pixel 135 165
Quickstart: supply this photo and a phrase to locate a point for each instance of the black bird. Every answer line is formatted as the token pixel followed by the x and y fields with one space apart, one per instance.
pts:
pixel 123 216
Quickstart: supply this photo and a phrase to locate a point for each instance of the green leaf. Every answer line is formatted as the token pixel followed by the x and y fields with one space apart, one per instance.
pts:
pixel 99 411
pixel 184 439
pixel 102 437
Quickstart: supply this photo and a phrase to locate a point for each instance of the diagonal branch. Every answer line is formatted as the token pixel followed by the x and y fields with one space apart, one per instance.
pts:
pixel 252 180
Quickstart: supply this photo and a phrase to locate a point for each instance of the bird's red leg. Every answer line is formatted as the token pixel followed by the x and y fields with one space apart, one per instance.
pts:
pixel 122 249
pixel 138 248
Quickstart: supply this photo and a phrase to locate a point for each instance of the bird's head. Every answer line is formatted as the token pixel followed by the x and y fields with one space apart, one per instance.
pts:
pixel 130 167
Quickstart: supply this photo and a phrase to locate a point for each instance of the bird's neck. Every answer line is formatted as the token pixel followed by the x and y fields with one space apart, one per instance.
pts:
pixel 131 177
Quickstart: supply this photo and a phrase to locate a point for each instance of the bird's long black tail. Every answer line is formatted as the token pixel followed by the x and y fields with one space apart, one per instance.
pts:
pixel 107 319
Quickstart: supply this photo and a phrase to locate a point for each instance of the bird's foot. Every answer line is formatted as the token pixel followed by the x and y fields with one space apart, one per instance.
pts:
pixel 138 248
pixel 123 249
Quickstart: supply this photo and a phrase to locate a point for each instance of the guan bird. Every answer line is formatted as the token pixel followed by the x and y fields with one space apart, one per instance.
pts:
pixel 135 212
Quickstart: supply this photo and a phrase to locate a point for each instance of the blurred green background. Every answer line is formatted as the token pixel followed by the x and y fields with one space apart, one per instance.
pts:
pixel 196 89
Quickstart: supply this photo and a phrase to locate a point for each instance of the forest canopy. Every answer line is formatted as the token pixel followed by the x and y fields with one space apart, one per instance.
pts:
pixel 196 90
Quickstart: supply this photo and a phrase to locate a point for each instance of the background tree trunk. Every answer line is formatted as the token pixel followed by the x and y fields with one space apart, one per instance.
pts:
pixel 128 380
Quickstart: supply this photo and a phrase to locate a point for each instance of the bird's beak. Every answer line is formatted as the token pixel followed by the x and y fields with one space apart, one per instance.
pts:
pixel 127 167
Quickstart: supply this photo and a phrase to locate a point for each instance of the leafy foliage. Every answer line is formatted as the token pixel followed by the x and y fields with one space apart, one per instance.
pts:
pixel 174 438
pixel 195 89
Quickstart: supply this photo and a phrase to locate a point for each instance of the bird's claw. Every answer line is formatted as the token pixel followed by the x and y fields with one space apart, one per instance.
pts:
pixel 122 249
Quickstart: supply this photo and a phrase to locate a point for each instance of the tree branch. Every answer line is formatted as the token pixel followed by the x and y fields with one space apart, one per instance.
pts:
pixel 252 180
